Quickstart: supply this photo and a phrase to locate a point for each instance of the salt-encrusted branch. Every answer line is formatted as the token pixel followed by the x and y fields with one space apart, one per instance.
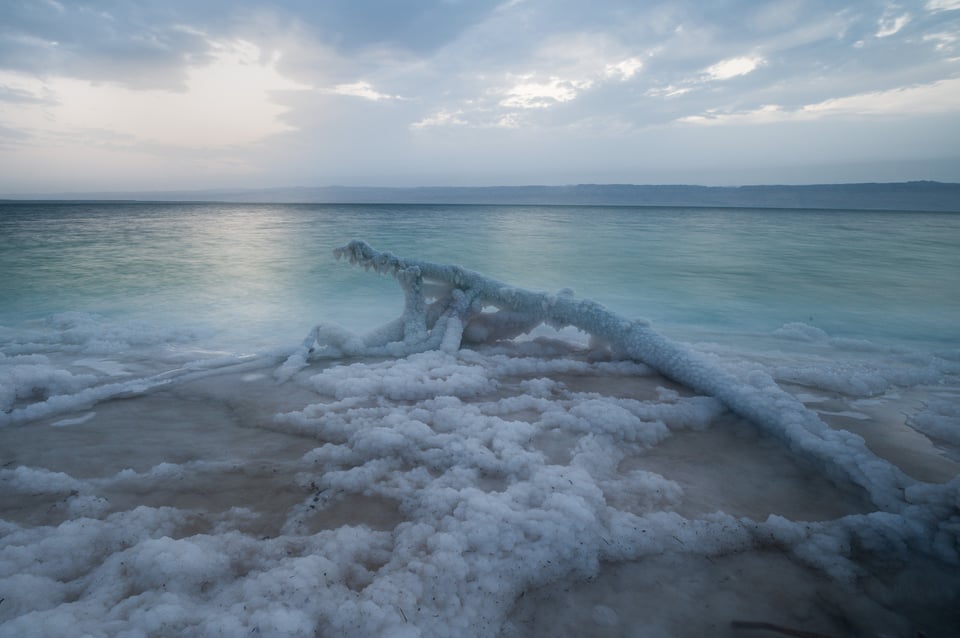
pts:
pixel 456 313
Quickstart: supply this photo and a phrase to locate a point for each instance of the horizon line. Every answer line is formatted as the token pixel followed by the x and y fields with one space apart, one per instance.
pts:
pixel 56 195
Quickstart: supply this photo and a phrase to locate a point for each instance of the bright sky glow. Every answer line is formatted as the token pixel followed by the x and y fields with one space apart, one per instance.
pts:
pixel 180 95
pixel 225 103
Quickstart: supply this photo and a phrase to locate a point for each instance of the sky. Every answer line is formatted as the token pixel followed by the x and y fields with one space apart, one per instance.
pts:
pixel 177 94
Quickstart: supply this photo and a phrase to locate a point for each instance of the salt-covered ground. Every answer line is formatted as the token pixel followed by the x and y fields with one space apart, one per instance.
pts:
pixel 539 487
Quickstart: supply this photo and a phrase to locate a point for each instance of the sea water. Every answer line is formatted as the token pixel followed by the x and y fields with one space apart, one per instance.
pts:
pixel 157 477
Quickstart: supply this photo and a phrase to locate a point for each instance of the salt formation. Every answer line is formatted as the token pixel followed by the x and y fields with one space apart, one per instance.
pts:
pixel 457 313
pixel 400 484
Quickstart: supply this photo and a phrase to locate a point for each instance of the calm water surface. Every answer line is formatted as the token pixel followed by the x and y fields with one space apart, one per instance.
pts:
pixel 265 273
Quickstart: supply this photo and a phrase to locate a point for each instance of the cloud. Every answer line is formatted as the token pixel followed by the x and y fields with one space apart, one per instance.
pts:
pixel 624 69
pixel 668 91
pixel 21 96
pixel 721 71
pixel 560 70
pixel 943 41
pixel 419 27
pixel 531 94
pixel 943 5
pixel 277 83
pixel 126 43
pixel 441 118
pixel 941 97
pixel 938 97
pixel 890 25
pixel 363 90
pixel 732 67
pixel 226 102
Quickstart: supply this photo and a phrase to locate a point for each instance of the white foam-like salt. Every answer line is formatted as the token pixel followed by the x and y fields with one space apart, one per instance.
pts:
pixel 940 418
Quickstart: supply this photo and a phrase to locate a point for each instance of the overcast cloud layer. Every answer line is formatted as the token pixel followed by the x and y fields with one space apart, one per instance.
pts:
pixel 114 95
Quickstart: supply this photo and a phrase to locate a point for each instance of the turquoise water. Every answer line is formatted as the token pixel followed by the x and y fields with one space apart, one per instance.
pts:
pixel 266 273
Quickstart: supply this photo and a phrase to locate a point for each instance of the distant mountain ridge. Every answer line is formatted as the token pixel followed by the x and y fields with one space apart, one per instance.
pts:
pixel 916 195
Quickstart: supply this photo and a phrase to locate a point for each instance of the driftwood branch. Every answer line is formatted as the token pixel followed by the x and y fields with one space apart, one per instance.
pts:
pixel 446 305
